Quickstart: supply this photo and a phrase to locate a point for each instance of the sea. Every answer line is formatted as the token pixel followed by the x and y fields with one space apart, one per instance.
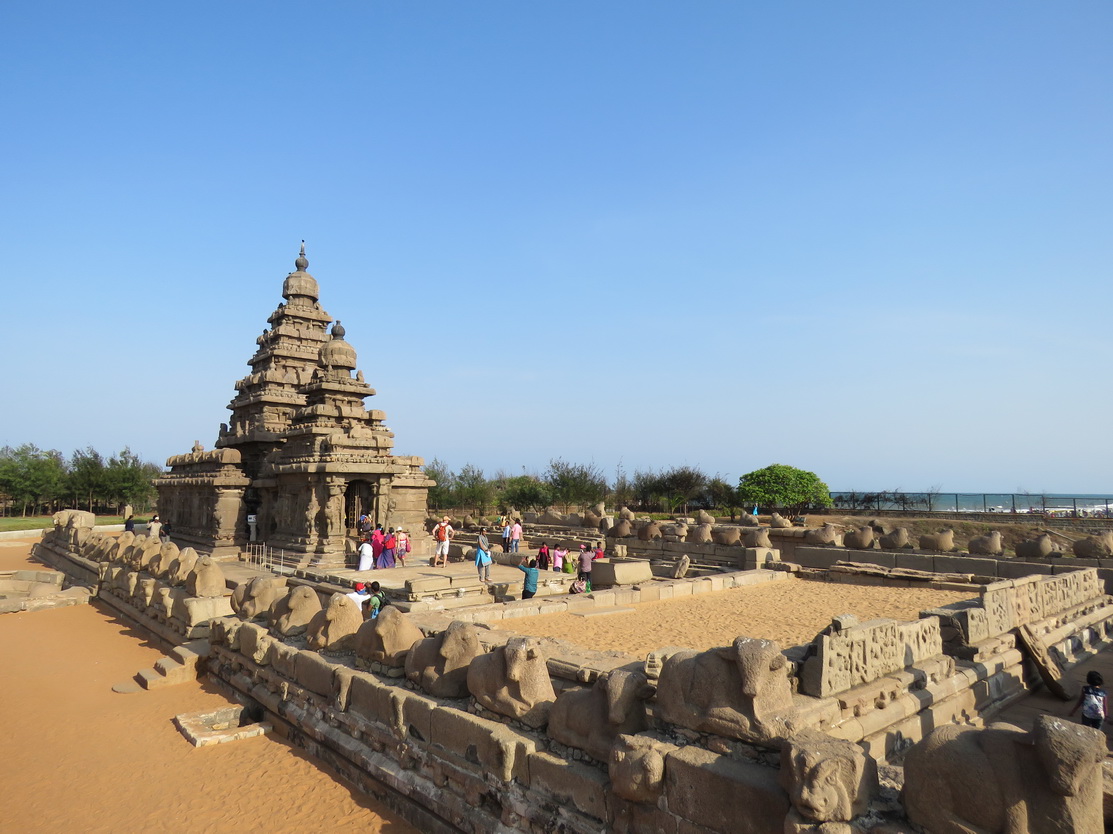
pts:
pixel 1082 504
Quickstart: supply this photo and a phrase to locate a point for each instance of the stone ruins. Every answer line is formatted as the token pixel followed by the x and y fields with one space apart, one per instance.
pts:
pixel 875 727
pixel 301 458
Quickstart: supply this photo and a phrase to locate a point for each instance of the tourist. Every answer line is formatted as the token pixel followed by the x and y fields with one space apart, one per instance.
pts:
pixel 403 547
pixel 366 556
pixel 443 533
pixel 529 584
pixel 559 557
pixel 386 556
pixel 129 525
pixel 483 556
pixel 154 527
pixel 599 552
pixel 585 563
pixel 360 596
pixel 515 536
pixel 365 526
pixel 377 538
pixel 376 602
pixel 506 535
pixel 543 556
pixel 1093 701
pixel 164 533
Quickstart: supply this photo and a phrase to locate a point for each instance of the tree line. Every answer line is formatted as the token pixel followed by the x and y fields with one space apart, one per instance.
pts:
pixel 679 489
pixel 36 481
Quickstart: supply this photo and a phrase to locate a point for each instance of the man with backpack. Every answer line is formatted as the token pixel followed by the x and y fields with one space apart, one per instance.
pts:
pixel 443 533
pixel 376 602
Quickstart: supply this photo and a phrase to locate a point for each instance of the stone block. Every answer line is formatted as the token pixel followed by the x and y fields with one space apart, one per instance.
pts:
pixel 757 557
pixel 605 574
pixel 648 592
pixel 254 643
pixel 198 610
pixel 314 673
pixel 724 794
pixel 574 784
pixel 373 700
pixel 416 712
pixel 916 561
pixel 428 584
pixel 491 746
pixel 818 557
pixel 1012 569
pixel 281 658
pixel 965 564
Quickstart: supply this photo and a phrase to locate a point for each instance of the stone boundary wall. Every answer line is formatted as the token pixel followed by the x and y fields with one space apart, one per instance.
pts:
pixel 987 566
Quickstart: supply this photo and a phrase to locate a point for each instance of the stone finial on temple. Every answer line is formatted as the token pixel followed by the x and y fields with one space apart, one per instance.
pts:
pixel 302 263
pixel 337 330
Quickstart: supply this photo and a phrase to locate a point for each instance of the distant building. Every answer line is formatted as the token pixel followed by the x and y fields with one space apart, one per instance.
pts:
pixel 301 454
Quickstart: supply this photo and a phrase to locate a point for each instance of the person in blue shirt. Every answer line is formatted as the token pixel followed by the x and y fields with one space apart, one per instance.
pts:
pixel 529 586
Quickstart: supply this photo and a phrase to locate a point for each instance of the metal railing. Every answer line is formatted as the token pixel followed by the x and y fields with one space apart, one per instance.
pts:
pixel 1053 505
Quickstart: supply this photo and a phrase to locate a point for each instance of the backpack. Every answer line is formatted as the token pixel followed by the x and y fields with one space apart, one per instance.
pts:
pixel 1093 703
pixel 383 603
pixel 442 532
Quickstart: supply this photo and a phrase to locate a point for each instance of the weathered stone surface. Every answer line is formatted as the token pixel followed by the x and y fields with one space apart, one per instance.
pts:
pixel 897 539
pixel 943 541
pixel 206 579
pixel 490 746
pixel 334 629
pixel 727 535
pixel 990 544
pixel 779 522
pixel 605 574
pixel 552 517
pixel 649 531
pixel 387 639
pixel 513 680
pixel 1094 547
pixel 700 534
pixel 294 611
pixel 757 537
pixel 160 565
pixel 863 653
pixel 626 514
pixel 637 767
pixel 439 664
pixel 591 719
pixel 682 565
pixel 1039 547
pixel 1002 779
pixel 181 567
pixel 826 536
pixel 740 691
pixel 315 673
pixel 860 539
pixel 724 794
pixel 623 529
pixel 827 779
pixel 257 597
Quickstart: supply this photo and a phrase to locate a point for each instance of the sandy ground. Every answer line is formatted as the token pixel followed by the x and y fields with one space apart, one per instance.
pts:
pixel 791 613
pixel 79 757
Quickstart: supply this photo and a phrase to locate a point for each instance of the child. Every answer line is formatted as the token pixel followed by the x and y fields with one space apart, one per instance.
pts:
pixel 1093 701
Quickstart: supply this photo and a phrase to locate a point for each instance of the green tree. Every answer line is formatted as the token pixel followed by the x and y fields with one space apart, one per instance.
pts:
pixel 525 492
pixel 128 480
pixel 473 490
pixel 650 489
pixel 440 496
pixel 576 484
pixel 682 485
pixel 32 477
pixel 723 494
pixel 87 478
pixel 783 487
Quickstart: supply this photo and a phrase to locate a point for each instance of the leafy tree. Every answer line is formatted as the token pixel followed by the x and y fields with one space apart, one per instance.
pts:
pixel 576 484
pixel 129 480
pixel 31 476
pixel 783 487
pixel 623 493
pixel 650 489
pixel 472 489
pixel 87 478
pixel 723 494
pixel 526 492
pixel 441 495
pixel 682 484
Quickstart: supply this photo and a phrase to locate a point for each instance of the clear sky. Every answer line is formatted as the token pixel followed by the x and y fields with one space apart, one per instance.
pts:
pixel 872 240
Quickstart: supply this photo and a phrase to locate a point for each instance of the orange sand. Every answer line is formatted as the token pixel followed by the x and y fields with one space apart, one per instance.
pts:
pixel 790 612
pixel 79 757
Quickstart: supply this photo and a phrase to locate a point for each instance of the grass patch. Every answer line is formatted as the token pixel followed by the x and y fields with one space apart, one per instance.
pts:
pixel 42 522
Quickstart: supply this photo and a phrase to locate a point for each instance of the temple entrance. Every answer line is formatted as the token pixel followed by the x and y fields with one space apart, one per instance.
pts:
pixel 359 498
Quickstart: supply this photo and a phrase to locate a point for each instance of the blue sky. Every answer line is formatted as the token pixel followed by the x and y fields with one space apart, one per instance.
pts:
pixel 872 240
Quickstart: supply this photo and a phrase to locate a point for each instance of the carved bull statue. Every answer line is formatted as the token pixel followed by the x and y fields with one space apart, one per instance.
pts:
pixel 334 628
pixel 828 780
pixel 439 664
pixel 740 691
pixel 1002 780
pixel 387 639
pixel 1094 547
pixel 828 535
pixel 988 545
pixel 591 719
pixel 943 541
pixel 293 612
pixel 1040 547
pixel 513 680
pixel 897 539
pixel 257 597
pixel 860 539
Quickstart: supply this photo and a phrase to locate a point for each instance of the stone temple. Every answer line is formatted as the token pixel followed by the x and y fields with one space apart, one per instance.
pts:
pixel 302 457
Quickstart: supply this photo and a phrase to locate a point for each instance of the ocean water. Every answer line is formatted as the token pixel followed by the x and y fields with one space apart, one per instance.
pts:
pixel 1089 504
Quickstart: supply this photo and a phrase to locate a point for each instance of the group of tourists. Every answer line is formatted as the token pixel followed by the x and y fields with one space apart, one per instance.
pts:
pixel 378 548
pixel 370 598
